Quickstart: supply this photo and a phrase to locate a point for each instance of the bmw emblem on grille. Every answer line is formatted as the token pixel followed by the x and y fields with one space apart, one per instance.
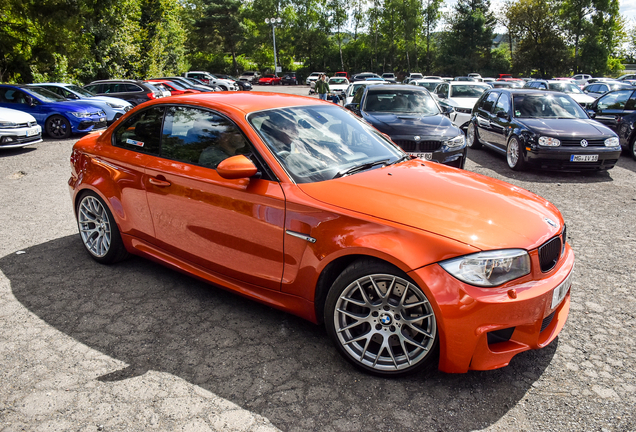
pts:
pixel 583 143
pixel 550 222
pixel 417 137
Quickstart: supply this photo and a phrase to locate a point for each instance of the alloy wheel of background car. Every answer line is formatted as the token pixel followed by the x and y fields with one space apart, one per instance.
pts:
pixel 380 320
pixel 58 127
pixel 471 137
pixel 514 156
pixel 98 230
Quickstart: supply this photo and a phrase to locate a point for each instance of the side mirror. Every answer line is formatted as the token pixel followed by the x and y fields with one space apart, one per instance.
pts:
pixel 236 167
pixel 502 115
pixel 591 113
pixel 31 102
pixel 353 107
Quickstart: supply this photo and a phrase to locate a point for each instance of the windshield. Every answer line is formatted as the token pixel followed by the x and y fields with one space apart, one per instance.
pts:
pixel 565 88
pixel 314 143
pixel 547 106
pixel 467 90
pixel 401 101
pixel 337 81
pixel 80 91
pixel 44 94
pixel 176 85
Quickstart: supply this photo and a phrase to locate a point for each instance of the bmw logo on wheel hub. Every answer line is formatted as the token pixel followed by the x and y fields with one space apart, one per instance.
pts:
pixel 386 319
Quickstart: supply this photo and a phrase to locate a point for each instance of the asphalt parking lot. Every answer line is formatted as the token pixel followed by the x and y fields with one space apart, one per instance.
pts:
pixel 138 347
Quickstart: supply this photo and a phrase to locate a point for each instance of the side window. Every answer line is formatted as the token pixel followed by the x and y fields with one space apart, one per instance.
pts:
pixel 108 88
pixel 130 88
pixel 593 88
pixel 542 86
pixel 200 137
pixel 631 103
pixel 490 101
pixel 141 132
pixel 503 104
pixel 614 101
pixel 358 96
pixel 14 96
pixel 93 88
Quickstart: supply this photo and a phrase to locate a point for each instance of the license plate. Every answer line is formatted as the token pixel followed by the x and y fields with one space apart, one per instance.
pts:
pixel 425 156
pixel 559 292
pixel 584 158
pixel 32 131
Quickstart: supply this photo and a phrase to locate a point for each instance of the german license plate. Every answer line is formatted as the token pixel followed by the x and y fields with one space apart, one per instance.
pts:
pixel 425 156
pixel 32 131
pixel 584 158
pixel 559 292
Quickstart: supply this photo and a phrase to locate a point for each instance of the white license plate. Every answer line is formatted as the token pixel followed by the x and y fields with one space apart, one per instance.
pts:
pixel 425 156
pixel 584 158
pixel 559 292
pixel 32 131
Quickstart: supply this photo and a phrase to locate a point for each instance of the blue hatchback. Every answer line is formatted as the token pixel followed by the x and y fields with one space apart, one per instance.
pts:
pixel 57 116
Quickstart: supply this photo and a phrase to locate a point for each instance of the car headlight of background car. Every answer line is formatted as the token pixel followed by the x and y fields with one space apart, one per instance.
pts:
pixel 8 124
pixel 458 141
pixel 489 269
pixel 549 142
pixel 612 142
pixel 79 114
pixel 115 106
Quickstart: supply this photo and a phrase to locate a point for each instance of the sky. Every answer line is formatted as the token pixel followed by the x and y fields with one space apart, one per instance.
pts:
pixel 628 10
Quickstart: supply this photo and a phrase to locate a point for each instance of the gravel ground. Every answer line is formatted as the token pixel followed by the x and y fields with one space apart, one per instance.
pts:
pixel 137 347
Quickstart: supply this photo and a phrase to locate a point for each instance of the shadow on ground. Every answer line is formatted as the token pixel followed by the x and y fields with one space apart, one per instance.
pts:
pixel 264 360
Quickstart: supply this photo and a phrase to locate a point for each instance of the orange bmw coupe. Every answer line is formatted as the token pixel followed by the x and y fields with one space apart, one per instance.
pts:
pixel 296 203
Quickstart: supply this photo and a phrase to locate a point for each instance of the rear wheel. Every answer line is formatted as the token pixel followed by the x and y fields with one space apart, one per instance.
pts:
pixel 514 155
pixel 380 320
pixel 472 141
pixel 58 127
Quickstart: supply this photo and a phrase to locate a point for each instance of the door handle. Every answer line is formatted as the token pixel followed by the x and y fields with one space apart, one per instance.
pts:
pixel 159 183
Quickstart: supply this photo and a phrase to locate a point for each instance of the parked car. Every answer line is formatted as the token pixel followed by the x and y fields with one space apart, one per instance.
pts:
pixel 541 129
pixel 241 85
pixel 617 110
pixel 507 84
pixel 466 78
pixel 600 88
pixel 18 129
pixel 363 76
pixel 389 77
pixel 270 79
pixel 174 87
pixel 208 78
pixel 192 83
pixel 354 86
pixel 342 74
pixel 627 77
pixel 133 91
pixel 55 115
pixel 475 75
pixel 581 79
pixel 290 78
pixel 413 120
pixel 113 107
pixel 164 89
pixel 338 85
pixel 428 84
pixel 250 76
pixel 313 77
pixel 412 77
pixel 307 209
pixel 562 86
pixel 461 96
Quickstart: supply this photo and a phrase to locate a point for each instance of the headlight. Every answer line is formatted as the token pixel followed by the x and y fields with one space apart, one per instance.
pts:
pixel 112 105
pixel 79 114
pixel 612 142
pixel 489 269
pixel 7 124
pixel 458 141
pixel 549 142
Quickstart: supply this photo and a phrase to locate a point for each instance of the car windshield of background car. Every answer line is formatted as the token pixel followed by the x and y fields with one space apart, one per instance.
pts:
pixel 314 143
pixel 565 88
pixel 401 101
pixel 45 95
pixel 467 91
pixel 80 91
pixel 428 85
pixel 337 81
pixel 547 106
pixel 176 85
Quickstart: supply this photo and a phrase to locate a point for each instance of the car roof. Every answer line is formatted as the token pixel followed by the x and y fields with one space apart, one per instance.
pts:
pixel 396 87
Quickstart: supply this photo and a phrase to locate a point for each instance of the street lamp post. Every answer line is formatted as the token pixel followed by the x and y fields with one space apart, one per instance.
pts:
pixel 273 22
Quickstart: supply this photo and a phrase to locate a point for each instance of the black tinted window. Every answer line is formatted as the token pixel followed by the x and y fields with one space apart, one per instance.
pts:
pixel 631 103
pixel 358 96
pixel 615 100
pixel 200 137
pixel 94 88
pixel 503 104
pixel 141 132
pixel 489 102
pixel 130 88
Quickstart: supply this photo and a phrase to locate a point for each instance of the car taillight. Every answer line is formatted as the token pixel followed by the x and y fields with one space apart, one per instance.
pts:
pixel 151 95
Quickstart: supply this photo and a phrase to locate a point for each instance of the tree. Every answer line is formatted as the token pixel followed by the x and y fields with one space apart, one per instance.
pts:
pixel 431 15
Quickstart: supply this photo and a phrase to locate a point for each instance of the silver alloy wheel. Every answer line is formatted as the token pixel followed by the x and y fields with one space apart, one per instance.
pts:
pixel 385 322
pixel 470 138
pixel 94 226
pixel 513 153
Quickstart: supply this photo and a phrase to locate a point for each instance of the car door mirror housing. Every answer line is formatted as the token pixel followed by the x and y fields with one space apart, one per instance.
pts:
pixel 502 115
pixel 236 167
pixel 353 107
pixel 590 113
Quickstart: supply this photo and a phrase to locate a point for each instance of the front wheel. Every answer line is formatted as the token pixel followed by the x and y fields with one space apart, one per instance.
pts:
pixel 380 320
pixel 98 230
pixel 58 127
pixel 472 141
pixel 514 155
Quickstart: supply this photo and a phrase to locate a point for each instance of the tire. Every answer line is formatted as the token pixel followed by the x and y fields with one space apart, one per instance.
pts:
pixel 369 318
pixel 514 155
pixel 58 127
pixel 223 88
pixel 98 230
pixel 472 140
pixel 632 148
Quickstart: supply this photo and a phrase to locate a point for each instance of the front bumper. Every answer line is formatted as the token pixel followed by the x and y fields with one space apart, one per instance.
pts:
pixel 89 124
pixel 427 149
pixel 466 315
pixel 559 158
pixel 20 137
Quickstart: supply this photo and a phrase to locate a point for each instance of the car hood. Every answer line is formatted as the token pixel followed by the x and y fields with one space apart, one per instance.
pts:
pixel 470 208
pixel 11 115
pixel 462 102
pixel 90 105
pixel 112 100
pixel 568 128
pixel 412 124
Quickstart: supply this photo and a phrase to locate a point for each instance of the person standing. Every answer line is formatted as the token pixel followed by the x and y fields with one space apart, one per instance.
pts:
pixel 322 87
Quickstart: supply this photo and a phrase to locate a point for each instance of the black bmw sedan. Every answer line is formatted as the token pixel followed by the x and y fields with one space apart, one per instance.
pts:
pixel 413 120
pixel 541 129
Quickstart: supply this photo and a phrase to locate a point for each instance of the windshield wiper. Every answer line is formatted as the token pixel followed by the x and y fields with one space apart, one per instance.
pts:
pixel 361 167
pixel 402 159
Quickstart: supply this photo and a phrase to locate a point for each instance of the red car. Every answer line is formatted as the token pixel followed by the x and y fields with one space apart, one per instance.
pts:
pixel 175 88
pixel 269 80
pixel 295 203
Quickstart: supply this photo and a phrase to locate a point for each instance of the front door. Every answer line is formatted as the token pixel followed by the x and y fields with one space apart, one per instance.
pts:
pixel 610 108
